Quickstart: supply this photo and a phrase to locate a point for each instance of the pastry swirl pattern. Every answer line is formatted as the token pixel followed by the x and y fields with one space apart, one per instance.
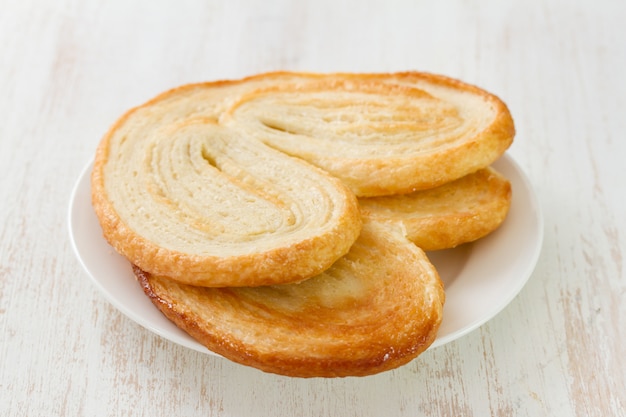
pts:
pixel 379 134
pixel 199 203
pixel 347 321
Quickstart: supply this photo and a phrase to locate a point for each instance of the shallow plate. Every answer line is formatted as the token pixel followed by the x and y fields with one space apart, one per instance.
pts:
pixel 480 278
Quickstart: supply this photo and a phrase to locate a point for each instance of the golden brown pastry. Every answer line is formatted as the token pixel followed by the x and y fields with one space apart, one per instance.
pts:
pixel 375 309
pixel 196 202
pixel 449 215
pixel 379 133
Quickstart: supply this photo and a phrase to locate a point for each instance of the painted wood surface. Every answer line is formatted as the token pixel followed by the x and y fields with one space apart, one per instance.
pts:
pixel 69 68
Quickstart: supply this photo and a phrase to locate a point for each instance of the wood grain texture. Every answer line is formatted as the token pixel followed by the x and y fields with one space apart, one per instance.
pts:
pixel 68 69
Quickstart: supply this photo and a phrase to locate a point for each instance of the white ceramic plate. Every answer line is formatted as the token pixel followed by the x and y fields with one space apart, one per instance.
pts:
pixel 480 278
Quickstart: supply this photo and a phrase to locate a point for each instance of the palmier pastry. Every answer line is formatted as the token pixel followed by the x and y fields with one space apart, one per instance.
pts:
pixel 196 202
pixel 444 217
pixel 379 133
pixel 375 309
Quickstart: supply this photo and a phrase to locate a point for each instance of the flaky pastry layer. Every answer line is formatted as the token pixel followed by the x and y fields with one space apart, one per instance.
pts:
pixel 444 217
pixel 380 134
pixel 376 308
pixel 197 202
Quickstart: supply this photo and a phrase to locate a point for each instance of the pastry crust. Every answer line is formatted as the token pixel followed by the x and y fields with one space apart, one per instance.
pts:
pixel 380 134
pixel 196 202
pixel 375 309
pixel 444 217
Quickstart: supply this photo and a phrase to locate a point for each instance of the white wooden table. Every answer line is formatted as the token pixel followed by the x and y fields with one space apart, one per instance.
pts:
pixel 68 69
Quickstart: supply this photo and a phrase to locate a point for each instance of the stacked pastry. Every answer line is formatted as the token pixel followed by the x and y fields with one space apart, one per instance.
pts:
pixel 281 219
